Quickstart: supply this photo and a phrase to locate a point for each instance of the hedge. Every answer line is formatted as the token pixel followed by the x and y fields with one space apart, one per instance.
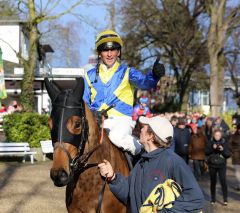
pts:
pixel 26 127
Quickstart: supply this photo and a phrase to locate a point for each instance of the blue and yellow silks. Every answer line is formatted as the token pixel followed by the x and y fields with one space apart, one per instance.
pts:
pixel 115 86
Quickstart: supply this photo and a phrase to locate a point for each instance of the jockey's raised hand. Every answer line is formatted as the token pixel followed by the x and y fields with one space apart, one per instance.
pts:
pixel 158 68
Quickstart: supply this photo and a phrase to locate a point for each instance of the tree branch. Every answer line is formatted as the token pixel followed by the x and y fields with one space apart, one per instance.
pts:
pixel 21 59
pixel 19 5
pixel 54 5
pixel 40 19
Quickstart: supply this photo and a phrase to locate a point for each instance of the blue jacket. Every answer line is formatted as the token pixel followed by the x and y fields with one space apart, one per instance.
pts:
pixel 152 169
pixel 182 139
pixel 116 86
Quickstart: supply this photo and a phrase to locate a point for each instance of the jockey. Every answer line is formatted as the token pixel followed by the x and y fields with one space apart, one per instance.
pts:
pixel 141 109
pixel 112 84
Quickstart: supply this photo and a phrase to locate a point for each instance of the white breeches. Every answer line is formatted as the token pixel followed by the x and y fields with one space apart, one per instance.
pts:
pixel 120 133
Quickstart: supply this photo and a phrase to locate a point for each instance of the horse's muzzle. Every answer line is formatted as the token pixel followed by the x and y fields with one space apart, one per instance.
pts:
pixel 59 177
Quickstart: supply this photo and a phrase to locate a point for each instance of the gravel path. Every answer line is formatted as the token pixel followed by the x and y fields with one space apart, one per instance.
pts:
pixel 28 188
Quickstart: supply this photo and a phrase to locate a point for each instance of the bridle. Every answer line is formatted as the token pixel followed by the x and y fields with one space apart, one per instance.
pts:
pixel 75 163
pixel 79 163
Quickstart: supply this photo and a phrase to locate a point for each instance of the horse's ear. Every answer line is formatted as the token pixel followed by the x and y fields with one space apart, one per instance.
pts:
pixel 79 88
pixel 52 90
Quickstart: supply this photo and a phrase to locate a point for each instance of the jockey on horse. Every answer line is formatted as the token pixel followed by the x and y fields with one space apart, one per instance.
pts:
pixel 111 84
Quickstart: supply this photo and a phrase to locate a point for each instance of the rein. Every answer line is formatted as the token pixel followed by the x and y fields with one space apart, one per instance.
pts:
pixel 82 165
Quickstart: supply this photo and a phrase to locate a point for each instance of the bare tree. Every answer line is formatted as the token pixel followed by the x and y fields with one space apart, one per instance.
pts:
pixel 7 10
pixel 221 26
pixel 35 14
pixel 233 62
pixel 65 39
pixel 168 28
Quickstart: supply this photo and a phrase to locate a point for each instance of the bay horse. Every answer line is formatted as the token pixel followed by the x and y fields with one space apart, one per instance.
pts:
pixel 77 151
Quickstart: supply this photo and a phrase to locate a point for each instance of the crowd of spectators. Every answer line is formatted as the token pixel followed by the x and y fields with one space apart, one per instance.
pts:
pixel 11 108
pixel 207 142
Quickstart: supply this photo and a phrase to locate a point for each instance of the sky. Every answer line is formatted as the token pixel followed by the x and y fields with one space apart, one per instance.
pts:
pixel 97 17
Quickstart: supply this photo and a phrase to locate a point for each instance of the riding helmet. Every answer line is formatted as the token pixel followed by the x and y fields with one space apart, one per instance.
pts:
pixel 108 39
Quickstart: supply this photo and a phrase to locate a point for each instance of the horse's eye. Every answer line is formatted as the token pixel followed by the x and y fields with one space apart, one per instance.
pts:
pixel 77 125
pixel 74 125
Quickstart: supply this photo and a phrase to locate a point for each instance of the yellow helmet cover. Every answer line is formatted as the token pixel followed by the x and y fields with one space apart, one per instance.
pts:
pixel 108 36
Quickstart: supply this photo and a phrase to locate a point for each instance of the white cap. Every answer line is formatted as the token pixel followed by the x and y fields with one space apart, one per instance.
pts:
pixel 161 126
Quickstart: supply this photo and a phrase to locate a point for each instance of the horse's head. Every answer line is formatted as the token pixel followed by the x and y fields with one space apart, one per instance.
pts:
pixel 68 127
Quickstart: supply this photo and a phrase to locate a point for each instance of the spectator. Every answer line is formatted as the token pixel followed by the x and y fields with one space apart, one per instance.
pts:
pixel 141 109
pixel 202 121
pixel 219 122
pixel 182 139
pixel 197 151
pixel 193 123
pixel 160 181
pixel 174 120
pixel 234 143
pixel 3 109
pixel 12 107
pixel 209 128
pixel 218 151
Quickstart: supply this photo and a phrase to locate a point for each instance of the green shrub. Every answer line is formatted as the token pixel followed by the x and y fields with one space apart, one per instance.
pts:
pixel 26 127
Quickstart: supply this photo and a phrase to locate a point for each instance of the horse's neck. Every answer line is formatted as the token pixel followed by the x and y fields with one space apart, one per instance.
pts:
pixel 107 148
pixel 94 133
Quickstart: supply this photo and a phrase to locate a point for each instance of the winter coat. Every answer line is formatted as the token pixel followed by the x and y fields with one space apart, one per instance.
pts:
pixel 197 146
pixel 182 140
pixel 208 132
pixel 155 168
pixel 225 153
pixel 234 144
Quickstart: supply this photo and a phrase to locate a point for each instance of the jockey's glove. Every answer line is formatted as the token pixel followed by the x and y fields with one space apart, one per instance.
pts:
pixel 158 68
pixel 98 116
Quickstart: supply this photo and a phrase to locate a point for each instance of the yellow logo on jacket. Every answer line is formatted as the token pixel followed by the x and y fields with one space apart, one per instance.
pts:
pixel 162 196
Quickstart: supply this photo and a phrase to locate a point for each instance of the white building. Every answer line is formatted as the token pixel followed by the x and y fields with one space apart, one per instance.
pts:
pixel 14 39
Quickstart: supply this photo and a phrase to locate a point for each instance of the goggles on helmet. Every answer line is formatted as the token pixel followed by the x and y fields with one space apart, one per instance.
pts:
pixel 109 46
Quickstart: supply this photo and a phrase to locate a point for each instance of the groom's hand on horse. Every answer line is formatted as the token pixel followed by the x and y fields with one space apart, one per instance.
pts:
pixel 106 170
pixel 158 68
